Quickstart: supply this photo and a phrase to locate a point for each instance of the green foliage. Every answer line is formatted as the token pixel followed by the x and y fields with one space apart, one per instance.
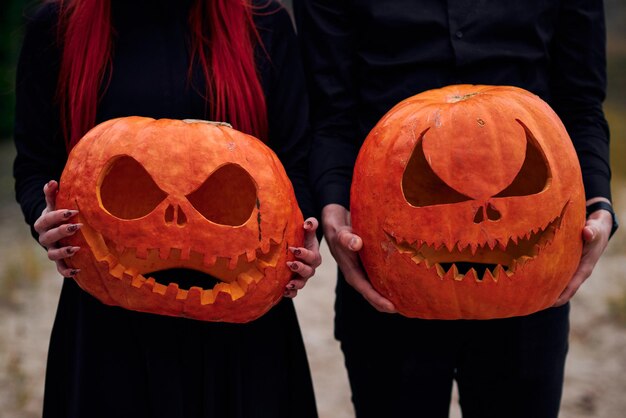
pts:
pixel 11 31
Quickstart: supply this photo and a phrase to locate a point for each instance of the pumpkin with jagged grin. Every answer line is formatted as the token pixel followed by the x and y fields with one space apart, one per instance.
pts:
pixel 180 218
pixel 470 204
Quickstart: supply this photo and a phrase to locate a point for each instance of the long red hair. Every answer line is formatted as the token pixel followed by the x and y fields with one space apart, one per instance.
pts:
pixel 223 41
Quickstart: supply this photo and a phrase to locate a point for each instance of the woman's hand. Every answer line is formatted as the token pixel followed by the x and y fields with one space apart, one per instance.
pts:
pixel 308 258
pixel 52 226
pixel 344 245
pixel 595 239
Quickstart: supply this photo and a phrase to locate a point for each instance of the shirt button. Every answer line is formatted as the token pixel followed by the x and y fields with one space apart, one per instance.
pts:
pixel 458 34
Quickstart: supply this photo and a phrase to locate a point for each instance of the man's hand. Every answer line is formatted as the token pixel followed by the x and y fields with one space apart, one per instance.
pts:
pixel 344 246
pixel 595 237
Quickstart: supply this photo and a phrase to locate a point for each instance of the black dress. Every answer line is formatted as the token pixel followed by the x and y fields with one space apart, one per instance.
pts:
pixel 110 362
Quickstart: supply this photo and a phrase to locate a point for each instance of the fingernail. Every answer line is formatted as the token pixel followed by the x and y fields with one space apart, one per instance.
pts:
pixel 291 286
pixel 73 227
pixel 74 272
pixel 296 251
pixel 69 213
pixel 72 250
pixel 293 266
pixel 308 224
pixel 352 243
pixel 286 293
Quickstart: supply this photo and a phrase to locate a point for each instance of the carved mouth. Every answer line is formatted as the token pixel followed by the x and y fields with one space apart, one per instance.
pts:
pixel 184 272
pixel 482 260
pixel 229 275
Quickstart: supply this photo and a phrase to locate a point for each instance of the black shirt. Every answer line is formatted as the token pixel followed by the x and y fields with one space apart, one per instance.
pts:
pixel 106 361
pixel 365 56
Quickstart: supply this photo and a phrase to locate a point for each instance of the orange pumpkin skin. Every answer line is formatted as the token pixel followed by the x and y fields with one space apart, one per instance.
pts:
pixel 470 203
pixel 160 194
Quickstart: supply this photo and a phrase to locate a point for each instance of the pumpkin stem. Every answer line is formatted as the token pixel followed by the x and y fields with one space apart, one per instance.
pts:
pixel 210 122
pixel 457 98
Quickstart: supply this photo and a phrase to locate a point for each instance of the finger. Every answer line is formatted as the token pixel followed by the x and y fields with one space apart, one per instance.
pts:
pixel 296 284
pixel 301 269
pixel 56 254
pixel 51 237
pixel 53 219
pixel 50 190
pixel 311 257
pixel 375 299
pixel 310 225
pixel 349 240
pixel 65 270
pixel 288 293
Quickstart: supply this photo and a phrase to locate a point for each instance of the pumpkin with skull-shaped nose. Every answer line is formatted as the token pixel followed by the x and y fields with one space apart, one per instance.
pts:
pixel 180 218
pixel 470 204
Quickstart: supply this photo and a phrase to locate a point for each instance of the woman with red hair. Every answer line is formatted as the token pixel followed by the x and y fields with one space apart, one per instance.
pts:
pixel 87 61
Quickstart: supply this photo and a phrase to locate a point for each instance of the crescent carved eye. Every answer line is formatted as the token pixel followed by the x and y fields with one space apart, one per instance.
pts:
pixel 535 175
pixel 421 186
pixel 126 190
pixel 227 197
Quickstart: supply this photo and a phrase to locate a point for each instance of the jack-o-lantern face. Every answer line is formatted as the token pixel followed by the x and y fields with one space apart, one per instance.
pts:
pixel 470 203
pixel 180 218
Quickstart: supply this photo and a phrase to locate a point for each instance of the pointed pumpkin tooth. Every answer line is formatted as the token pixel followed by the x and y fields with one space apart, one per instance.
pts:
pixel 472 275
pixel 141 253
pixel 250 255
pixel 117 271
pixel 164 253
pixel 417 258
pixel 120 248
pixel 137 281
pixel 244 280
pixel 221 288
pixel 148 285
pixel 172 291
pixel 488 275
pixel 185 253
pixel 232 262
pixel 207 297
pixel 210 259
pixel 265 247
pixel 236 291
pixel 492 244
pixel 473 248
pixel 194 296
pixel 159 288
pixel 502 244
pixel 455 271
pixel 514 239
pixel 499 272
pixel 440 271
pixel 262 264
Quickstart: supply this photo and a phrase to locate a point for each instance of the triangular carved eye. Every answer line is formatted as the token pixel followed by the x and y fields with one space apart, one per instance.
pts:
pixel 126 189
pixel 535 175
pixel 421 186
pixel 227 197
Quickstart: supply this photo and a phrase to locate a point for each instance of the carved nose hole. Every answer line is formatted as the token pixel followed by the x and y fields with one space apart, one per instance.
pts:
pixel 488 213
pixel 175 213
pixel 181 219
pixel 169 214
pixel 492 213
pixel 480 215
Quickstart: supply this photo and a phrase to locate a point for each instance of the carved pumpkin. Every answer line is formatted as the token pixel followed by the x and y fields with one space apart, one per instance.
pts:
pixel 470 203
pixel 169 197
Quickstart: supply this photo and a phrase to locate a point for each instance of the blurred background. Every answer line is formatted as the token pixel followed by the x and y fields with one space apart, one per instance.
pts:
pixel 29 284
